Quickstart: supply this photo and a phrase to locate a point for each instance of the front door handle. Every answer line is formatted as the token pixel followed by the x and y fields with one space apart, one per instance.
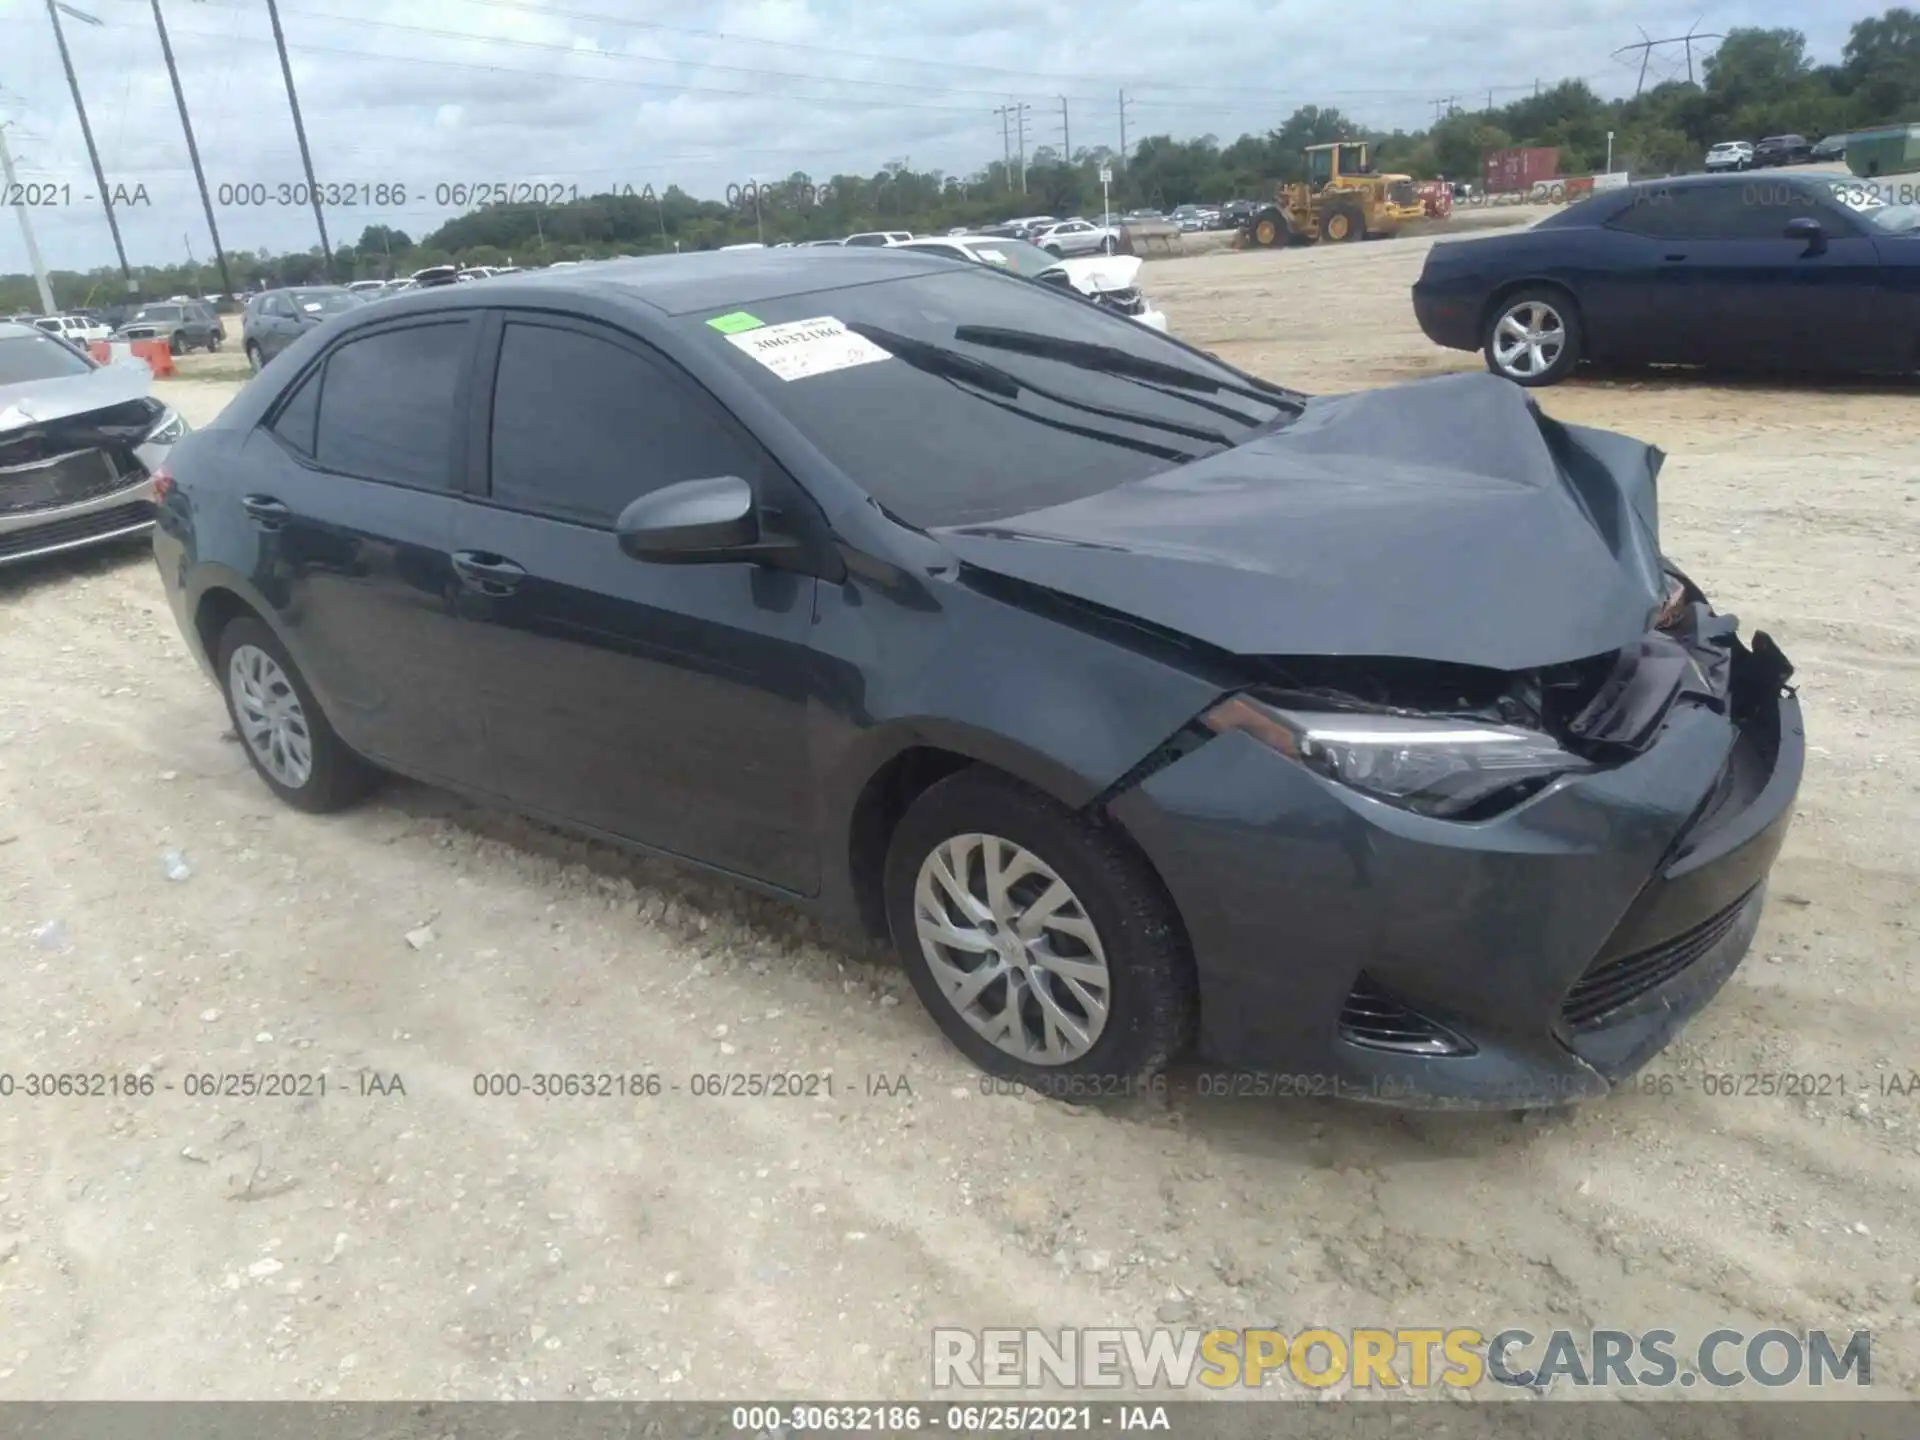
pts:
pixel 1681 256
pixel 265 511
pixel 487 573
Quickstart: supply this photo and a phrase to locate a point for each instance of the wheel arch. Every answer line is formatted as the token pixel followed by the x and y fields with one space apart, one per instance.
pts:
pixel 916 762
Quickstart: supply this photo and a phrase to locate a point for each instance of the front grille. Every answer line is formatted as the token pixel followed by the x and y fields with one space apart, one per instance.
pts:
pixel 1127 302
pixel 1609 985
pixel 76 530
pixel 1373 1018
pixel 63 480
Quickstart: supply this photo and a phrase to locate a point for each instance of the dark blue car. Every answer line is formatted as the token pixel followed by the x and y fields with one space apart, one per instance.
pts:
pixel 1789 272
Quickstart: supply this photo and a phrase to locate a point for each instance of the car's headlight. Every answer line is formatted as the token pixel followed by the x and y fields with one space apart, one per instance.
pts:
pixel 1447 768
pixel 169 428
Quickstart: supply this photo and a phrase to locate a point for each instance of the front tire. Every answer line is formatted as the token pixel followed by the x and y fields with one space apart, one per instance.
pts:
pixel 1042 945
pixel 254 358
pixel 281 726
pixel 1533 337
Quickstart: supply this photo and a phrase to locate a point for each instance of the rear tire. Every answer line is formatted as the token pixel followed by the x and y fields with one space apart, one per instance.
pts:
pixel 174 345
pixel 1533 336
pixel 281 719
pixel 253 357
pixel 1107 1035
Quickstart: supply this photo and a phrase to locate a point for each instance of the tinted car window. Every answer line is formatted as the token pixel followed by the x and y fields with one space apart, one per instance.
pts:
pixel 387 405
pixel 583 426
pixel 295 423
pixel 38 357
pixel 1752 210
pixel 970 445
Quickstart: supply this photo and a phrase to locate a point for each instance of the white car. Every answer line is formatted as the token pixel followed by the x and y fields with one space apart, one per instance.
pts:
pixel 1075 237
pixel 1730 155
pixel 77 328
pixel 879 237
pixel 1110 281
pixel 366 287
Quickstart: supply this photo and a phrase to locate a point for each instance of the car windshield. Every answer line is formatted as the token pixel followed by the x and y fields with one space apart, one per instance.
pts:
pixel 964 397
pixel 155 313
pixel 1016 255
pixel 1890 219
pixel 323 302
pixel 37 357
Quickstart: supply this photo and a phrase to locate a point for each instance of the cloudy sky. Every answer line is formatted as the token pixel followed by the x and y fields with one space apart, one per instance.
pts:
pixel 708 93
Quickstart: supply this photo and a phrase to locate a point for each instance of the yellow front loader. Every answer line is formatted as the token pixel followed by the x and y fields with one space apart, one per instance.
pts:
pixel 1341 200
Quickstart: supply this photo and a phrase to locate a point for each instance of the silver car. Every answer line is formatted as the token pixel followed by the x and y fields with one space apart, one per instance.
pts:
pixel 1075 237
pixel 79 446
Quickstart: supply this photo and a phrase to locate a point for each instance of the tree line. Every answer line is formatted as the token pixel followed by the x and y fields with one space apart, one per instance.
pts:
pixel 1758 82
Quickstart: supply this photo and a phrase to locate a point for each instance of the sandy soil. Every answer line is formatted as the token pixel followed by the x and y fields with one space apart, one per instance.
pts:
pixel 438 1244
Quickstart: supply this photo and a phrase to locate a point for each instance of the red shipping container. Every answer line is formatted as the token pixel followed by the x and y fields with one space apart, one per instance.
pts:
pixel 1520 169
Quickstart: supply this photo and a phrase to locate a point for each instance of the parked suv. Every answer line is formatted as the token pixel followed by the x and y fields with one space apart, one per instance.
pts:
pixel 184 325
pixel 277 318
pixel 1730 155
pixel 1783 150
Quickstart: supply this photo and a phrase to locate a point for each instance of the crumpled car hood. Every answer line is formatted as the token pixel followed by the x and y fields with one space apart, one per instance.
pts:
pixel 1095 273
pixel 1445 520
pixel 34 402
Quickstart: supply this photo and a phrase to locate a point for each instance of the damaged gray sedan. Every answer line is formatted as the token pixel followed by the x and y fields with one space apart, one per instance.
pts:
pixel 1367 743
pixel 79 444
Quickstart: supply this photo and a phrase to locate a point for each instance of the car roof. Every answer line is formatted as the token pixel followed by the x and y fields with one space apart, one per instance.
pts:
pixel 707 280
pixel 13 330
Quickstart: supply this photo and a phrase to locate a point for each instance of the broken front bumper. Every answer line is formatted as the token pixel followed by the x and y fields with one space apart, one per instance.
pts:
pixel 1346 947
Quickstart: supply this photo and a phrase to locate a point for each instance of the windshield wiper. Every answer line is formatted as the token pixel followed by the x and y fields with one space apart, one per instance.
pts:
pixel 1112 360
pixel 952 365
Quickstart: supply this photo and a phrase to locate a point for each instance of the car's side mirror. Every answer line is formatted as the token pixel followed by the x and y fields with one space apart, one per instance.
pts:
pixel 1809 233
pixel 693 522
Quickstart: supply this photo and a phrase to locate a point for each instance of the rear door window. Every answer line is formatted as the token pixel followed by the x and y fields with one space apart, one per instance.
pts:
pixel 390 404
pixel 585 422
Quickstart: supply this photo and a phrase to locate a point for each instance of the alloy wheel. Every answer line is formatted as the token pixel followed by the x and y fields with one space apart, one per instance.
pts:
pixel 271 719
pixel 1012 949
pixel 1529 339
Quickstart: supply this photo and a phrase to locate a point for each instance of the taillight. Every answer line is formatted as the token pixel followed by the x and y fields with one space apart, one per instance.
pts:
pixel 162 483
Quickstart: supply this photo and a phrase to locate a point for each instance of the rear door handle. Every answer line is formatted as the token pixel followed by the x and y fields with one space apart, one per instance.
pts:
pixel 487 573
pixel 267 512
pixel 1681 256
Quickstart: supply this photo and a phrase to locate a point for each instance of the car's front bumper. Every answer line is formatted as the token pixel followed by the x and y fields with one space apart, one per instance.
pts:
pixel 118 514
pixel 1152 319
pixel 1347 947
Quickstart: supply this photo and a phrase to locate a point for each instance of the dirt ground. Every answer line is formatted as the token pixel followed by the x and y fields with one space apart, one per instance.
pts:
pixel 433 1243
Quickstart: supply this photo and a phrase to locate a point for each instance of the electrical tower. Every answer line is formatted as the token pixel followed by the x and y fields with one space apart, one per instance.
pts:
pixel 1646 46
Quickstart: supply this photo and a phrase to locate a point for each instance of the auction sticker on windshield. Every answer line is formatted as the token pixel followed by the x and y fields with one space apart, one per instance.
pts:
pixel 802 348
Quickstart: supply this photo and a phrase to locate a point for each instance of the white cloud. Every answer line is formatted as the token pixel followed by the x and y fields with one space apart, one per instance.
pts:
pixel 600 92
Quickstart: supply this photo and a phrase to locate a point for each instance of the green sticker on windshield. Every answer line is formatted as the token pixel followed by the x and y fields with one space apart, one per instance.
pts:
pixel 736 323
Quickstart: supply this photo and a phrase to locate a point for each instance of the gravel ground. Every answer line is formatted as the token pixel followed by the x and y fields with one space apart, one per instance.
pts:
pixel 426 1242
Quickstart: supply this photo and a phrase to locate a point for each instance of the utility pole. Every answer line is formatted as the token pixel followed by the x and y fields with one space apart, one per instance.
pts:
pixel 1021 115
pixel 34 261
pixel 1005 112
pixel 193 150
pixel 1066 131
pixel 300 134
pixel 1124 102
pixel 54 9
pixel 1443 107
